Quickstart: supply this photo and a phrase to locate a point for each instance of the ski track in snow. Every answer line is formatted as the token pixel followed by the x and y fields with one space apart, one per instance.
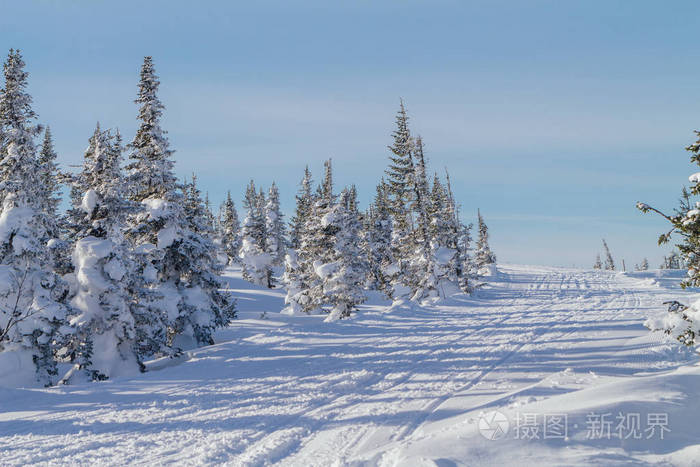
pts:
pixel 298 391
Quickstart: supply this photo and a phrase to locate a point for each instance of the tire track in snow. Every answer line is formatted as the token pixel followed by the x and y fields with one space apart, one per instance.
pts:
pixel 317 412
pixel 542 281
pixel 412 429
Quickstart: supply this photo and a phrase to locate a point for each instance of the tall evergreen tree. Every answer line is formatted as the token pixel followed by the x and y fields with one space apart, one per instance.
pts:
pixel 439 264
pixel 195 209
pixel 467 268
pixel 204 307
pixel 151 168
pixel 401 171
pixel 19 166
pixel 379 234
pixel 464 266
pixel 304 201
pixel 352 200
pixel 257 263
pixel 421 198
pixel 78 222
pixel 400 189
pixel 175 308
pixel 30 294
pixel 343 273
pixel 298 273
pixel 230 229
pixel 442 229
pixel 296 279
pixel 316 248
pixel 483 254
pixel 326 189
pixel 452 212
pixel 49 179
pixel 609 262
pixel 154 228
pixel 274 227
pixel 210 218
pixel 683 321
pixel 104 342
pixel 598 263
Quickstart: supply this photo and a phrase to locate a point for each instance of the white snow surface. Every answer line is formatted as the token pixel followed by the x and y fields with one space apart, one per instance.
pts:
pixel 399 386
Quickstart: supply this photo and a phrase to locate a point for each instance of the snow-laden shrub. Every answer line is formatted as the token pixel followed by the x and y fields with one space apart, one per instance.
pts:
pixel 105 329
pixel 681 323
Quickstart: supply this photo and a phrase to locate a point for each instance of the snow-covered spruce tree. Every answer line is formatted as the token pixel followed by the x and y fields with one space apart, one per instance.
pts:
pixel 211 219
pixel 446 229
pixel 257 263
pixel 421 198
pixel 76 221
pixel 379 229
pixel 438 268
pixel 154 227
pixel 174 310
pixel 103 344
pixel 274 227
pixel 483 255
pixel 230 227
pixel 643 266
pixel 677 260
pixel 30 294
pixel 316 248
pixel 609 262
pixel 672 261
pixel 51 180
pixel 204 307
pixel 598 263
pixel 400 188
pixel 325 190
pixel 352 200
pixel 683 321
pixel 295 280
pixel 304 199
pixel 422 262
pixel 298 272
pixel 343 271
pixel 465 268
pixel 196 210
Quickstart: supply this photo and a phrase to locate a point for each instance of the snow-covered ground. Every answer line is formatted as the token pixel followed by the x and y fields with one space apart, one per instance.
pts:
pixel 556 359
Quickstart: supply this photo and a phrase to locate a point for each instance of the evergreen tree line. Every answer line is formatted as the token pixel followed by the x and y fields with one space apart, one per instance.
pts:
pixel 409 244
pixel 129 272
pixel 673 261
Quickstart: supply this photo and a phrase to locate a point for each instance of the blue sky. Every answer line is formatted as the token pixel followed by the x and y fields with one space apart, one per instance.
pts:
pixel 553 117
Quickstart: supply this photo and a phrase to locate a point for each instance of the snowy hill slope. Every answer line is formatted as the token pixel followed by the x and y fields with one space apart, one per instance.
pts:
pixel 406 386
